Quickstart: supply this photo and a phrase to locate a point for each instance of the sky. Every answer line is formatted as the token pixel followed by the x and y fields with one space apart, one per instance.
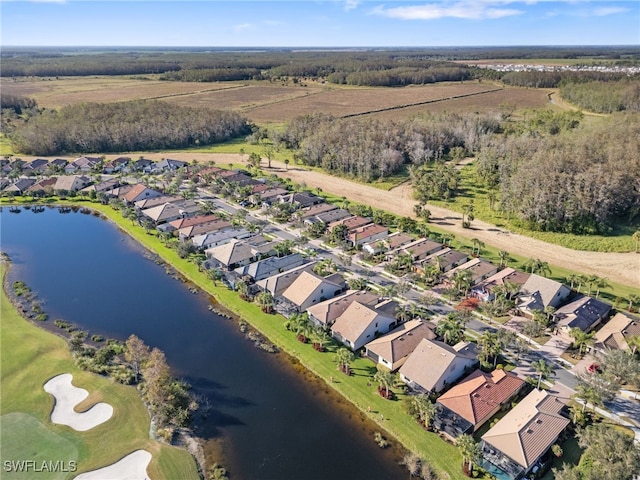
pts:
pixel 319 23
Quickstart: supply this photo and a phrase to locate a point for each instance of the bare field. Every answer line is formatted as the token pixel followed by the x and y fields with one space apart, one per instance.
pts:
pixel 53 93
pixel 264 102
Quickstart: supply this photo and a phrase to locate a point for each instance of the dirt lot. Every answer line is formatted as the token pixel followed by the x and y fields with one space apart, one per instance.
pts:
pixel 621 268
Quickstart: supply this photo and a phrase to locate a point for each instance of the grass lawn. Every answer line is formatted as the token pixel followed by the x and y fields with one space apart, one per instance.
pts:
pixel 29 357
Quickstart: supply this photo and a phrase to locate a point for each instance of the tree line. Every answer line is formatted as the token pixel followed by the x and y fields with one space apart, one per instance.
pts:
pixel 125 126
pixel 603 96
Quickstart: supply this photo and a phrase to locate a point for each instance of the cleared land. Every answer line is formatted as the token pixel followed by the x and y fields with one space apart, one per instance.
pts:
pixel 29 356
pixel 264 102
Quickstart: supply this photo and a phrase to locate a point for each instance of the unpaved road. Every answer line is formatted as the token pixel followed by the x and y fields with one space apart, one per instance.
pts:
pixel 621 268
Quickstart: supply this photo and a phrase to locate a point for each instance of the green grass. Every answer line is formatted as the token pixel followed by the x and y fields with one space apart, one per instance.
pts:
pixel 472 188
pixel 29 357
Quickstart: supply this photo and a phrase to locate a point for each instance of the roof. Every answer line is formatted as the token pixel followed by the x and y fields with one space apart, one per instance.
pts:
pixel 202 228
pixel 268 266
pixel 233 252
pixel 529 429
pixel 351 222
pixel 398 239
pixel 431 360
pixel 366 232
pixel 276 284
pixel 476 397
pixel 355 320
pixel 326 312
pixel 42 184
pixel 448 257
pixel 539 292
pixel 70 182
pixel 170 210
pixel 206 239
pixel 421 247
pixel 583 313
pixel 133 194
pixel 614 334
pixel 155 201
pixel 401 341
pixel 332 216
pixel 190 221
pixel 506 274
pixel 478 268
pixel 306 285
pixel 317 209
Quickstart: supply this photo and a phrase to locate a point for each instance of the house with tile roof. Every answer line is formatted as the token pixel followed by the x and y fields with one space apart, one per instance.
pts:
pixel 434 365
pixel 325 313
pixel 19 186
pixel 328 217
pixel 367 234
pixel 140 192
pixel 42 187
pixel 359 324
pixel 393 348
pixel 484 289
pixel 310 289
pixel 474 400
pixel 317 209
pixel 418 249
pixel 270 266
pixel 584 313
pixel 278 283
pixel 351 222
pixel 480 269
pixel 211 226
pixel 70 183
pixel 521 438
pixel 539 292
pixel 171 211
pixel 155 201
pixel 238 253
pixel 615 333
pixel 446 259
pixel 209 240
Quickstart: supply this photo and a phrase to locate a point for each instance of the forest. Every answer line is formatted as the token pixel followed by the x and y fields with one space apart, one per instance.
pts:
pixel 125 126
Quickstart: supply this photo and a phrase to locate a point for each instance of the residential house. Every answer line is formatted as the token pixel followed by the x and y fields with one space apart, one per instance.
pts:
pixel 238 253
pixel 615 333
pixel 352 222
pixel 212 226
pixel 434 365
pixel 179 223
pixel 521 438
pixel 140 165
pixel 270 266
pixel 485 289
pixel 538 292
pixel 267 197
pixel 301 199
pixel 417 249
pixel 310 289
pixel 103 186
pixel 479 269
pixel 58 164
pixel 82 164
pixel 474 400
pixel 140 192
pixel 325 313
pixel 171 211
pixel 119 192
pixel 20 186
pixel 278 283
pixel 155 201
pixel 584 313
pixel 116 165
pixel 35 166
pixel 43 187
pixel 70 183
pixel 392 349
pixel 359 324
pixel 167 165
pixel 445 259
pixel 392 242
pixel 328 217
pixel 317 209
pixel 213 239
pixel 367 234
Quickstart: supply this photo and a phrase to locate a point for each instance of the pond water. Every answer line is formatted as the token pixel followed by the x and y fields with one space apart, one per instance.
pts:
pixel 267 420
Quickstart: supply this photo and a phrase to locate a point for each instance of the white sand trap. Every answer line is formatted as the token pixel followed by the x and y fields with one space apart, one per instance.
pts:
pixel 131 467
pixel 67 397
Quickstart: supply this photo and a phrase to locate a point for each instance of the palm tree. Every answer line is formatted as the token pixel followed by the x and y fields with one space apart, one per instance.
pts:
pixel 265 300
pixel 636 238
pixel 451 328
pixel 214 275
pixel 543 368
pixel 467 209
pixel 462 281
pixel 572 279
pixel 477 244
pixel 431 274
pixel 601 283
pixel 319 338
pixel 358 283
pixel 424 409
pixel 242 288
pixel 591 281
pixel 470 451
pixel 344 357
pixel 385 379
pixel 412 462
pixel 490 346
pixel 633 299
pixel 633 342
pixel 283 248
pixel 447 239
pixel 581 339
pixel 504 258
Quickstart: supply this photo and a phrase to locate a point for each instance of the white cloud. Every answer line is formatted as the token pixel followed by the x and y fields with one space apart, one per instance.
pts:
pixel 604 11
pixel 351 4
pixel 473 10
pixel 242 27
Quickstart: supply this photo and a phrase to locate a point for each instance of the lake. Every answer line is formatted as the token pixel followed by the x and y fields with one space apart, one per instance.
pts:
pixel 267 420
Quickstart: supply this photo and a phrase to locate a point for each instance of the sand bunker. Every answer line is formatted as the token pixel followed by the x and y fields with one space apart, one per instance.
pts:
pixel 67 397
pixel 131 467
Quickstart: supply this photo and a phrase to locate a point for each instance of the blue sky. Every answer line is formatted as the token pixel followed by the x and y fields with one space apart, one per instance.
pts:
pixel 328 23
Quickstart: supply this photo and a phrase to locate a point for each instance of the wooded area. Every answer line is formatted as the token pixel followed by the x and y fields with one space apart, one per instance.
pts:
pixel 125 126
